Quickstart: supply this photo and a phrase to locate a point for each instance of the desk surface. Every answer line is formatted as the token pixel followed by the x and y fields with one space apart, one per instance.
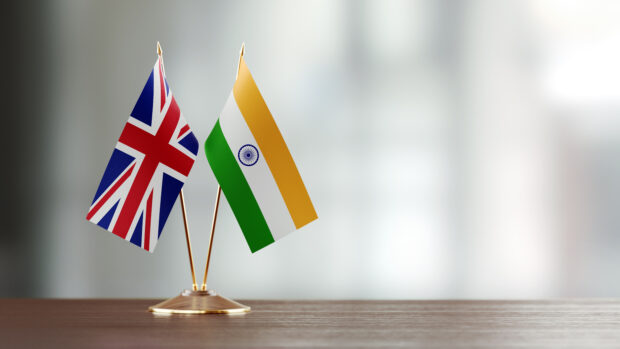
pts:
pixel 108 323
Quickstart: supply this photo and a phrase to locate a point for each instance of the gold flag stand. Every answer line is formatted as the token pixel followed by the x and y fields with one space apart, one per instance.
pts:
pixel 201 301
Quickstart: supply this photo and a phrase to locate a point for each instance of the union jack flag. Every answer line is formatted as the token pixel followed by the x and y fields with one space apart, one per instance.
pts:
pixel 148 167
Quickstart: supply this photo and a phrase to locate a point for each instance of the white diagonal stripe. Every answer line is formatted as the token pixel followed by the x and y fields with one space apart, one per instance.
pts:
pixel 258 176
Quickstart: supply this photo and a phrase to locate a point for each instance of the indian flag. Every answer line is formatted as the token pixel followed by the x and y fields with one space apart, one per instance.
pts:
pixel 255 169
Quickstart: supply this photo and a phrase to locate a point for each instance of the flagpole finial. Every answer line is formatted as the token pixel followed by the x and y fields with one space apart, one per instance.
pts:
pixel 158 49
pixel 241 52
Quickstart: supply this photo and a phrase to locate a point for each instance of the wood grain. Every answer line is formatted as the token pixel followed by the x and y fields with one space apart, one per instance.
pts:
pixel 369 324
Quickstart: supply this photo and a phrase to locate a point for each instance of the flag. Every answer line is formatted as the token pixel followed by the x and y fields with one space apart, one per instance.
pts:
pixel 255 169
pixel 148 167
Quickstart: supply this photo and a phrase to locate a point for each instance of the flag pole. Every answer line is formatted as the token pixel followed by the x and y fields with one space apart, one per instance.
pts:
pixel 203 287
pixel 241 52
pixel 201 301
pixel 189 245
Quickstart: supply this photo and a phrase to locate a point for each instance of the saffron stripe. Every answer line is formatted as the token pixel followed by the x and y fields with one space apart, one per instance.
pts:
pixel 224 165
pixel 258 176
pixel 276 153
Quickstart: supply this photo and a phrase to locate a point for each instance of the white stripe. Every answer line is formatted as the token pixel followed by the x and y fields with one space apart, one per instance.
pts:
pixel 121 192
pixel 258 176
pixel 157 115
pixel 120 195
pixel 154 223
pixel 176 138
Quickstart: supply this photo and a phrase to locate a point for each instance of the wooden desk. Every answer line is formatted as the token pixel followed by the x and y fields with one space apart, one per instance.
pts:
pixel 437 324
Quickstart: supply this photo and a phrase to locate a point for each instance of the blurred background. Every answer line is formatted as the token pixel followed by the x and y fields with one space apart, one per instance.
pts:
pixel 453 149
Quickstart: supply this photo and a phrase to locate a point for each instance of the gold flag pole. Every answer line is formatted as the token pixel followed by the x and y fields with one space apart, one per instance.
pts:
pixel 203 287
pixel 241 52
pixel 217 205
pixel 189 245
pixel 201 301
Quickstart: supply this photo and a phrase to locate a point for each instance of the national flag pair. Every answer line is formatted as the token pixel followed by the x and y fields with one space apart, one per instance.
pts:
pixel 157 149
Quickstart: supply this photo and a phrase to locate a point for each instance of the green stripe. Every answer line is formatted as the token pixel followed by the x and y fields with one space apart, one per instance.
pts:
pixel 237 190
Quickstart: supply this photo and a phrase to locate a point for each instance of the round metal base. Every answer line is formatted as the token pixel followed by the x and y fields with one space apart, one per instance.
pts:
pixel 199 302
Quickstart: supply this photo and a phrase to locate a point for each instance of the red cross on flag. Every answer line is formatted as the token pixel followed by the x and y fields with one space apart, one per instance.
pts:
pixel 148 167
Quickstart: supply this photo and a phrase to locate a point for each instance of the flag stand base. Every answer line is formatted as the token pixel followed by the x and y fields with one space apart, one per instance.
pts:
pixel 199 302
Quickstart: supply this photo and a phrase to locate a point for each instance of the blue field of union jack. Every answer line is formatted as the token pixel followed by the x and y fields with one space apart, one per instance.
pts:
pixel 148 167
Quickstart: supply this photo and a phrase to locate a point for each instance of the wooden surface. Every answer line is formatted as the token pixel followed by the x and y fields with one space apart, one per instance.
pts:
pixel 425 324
